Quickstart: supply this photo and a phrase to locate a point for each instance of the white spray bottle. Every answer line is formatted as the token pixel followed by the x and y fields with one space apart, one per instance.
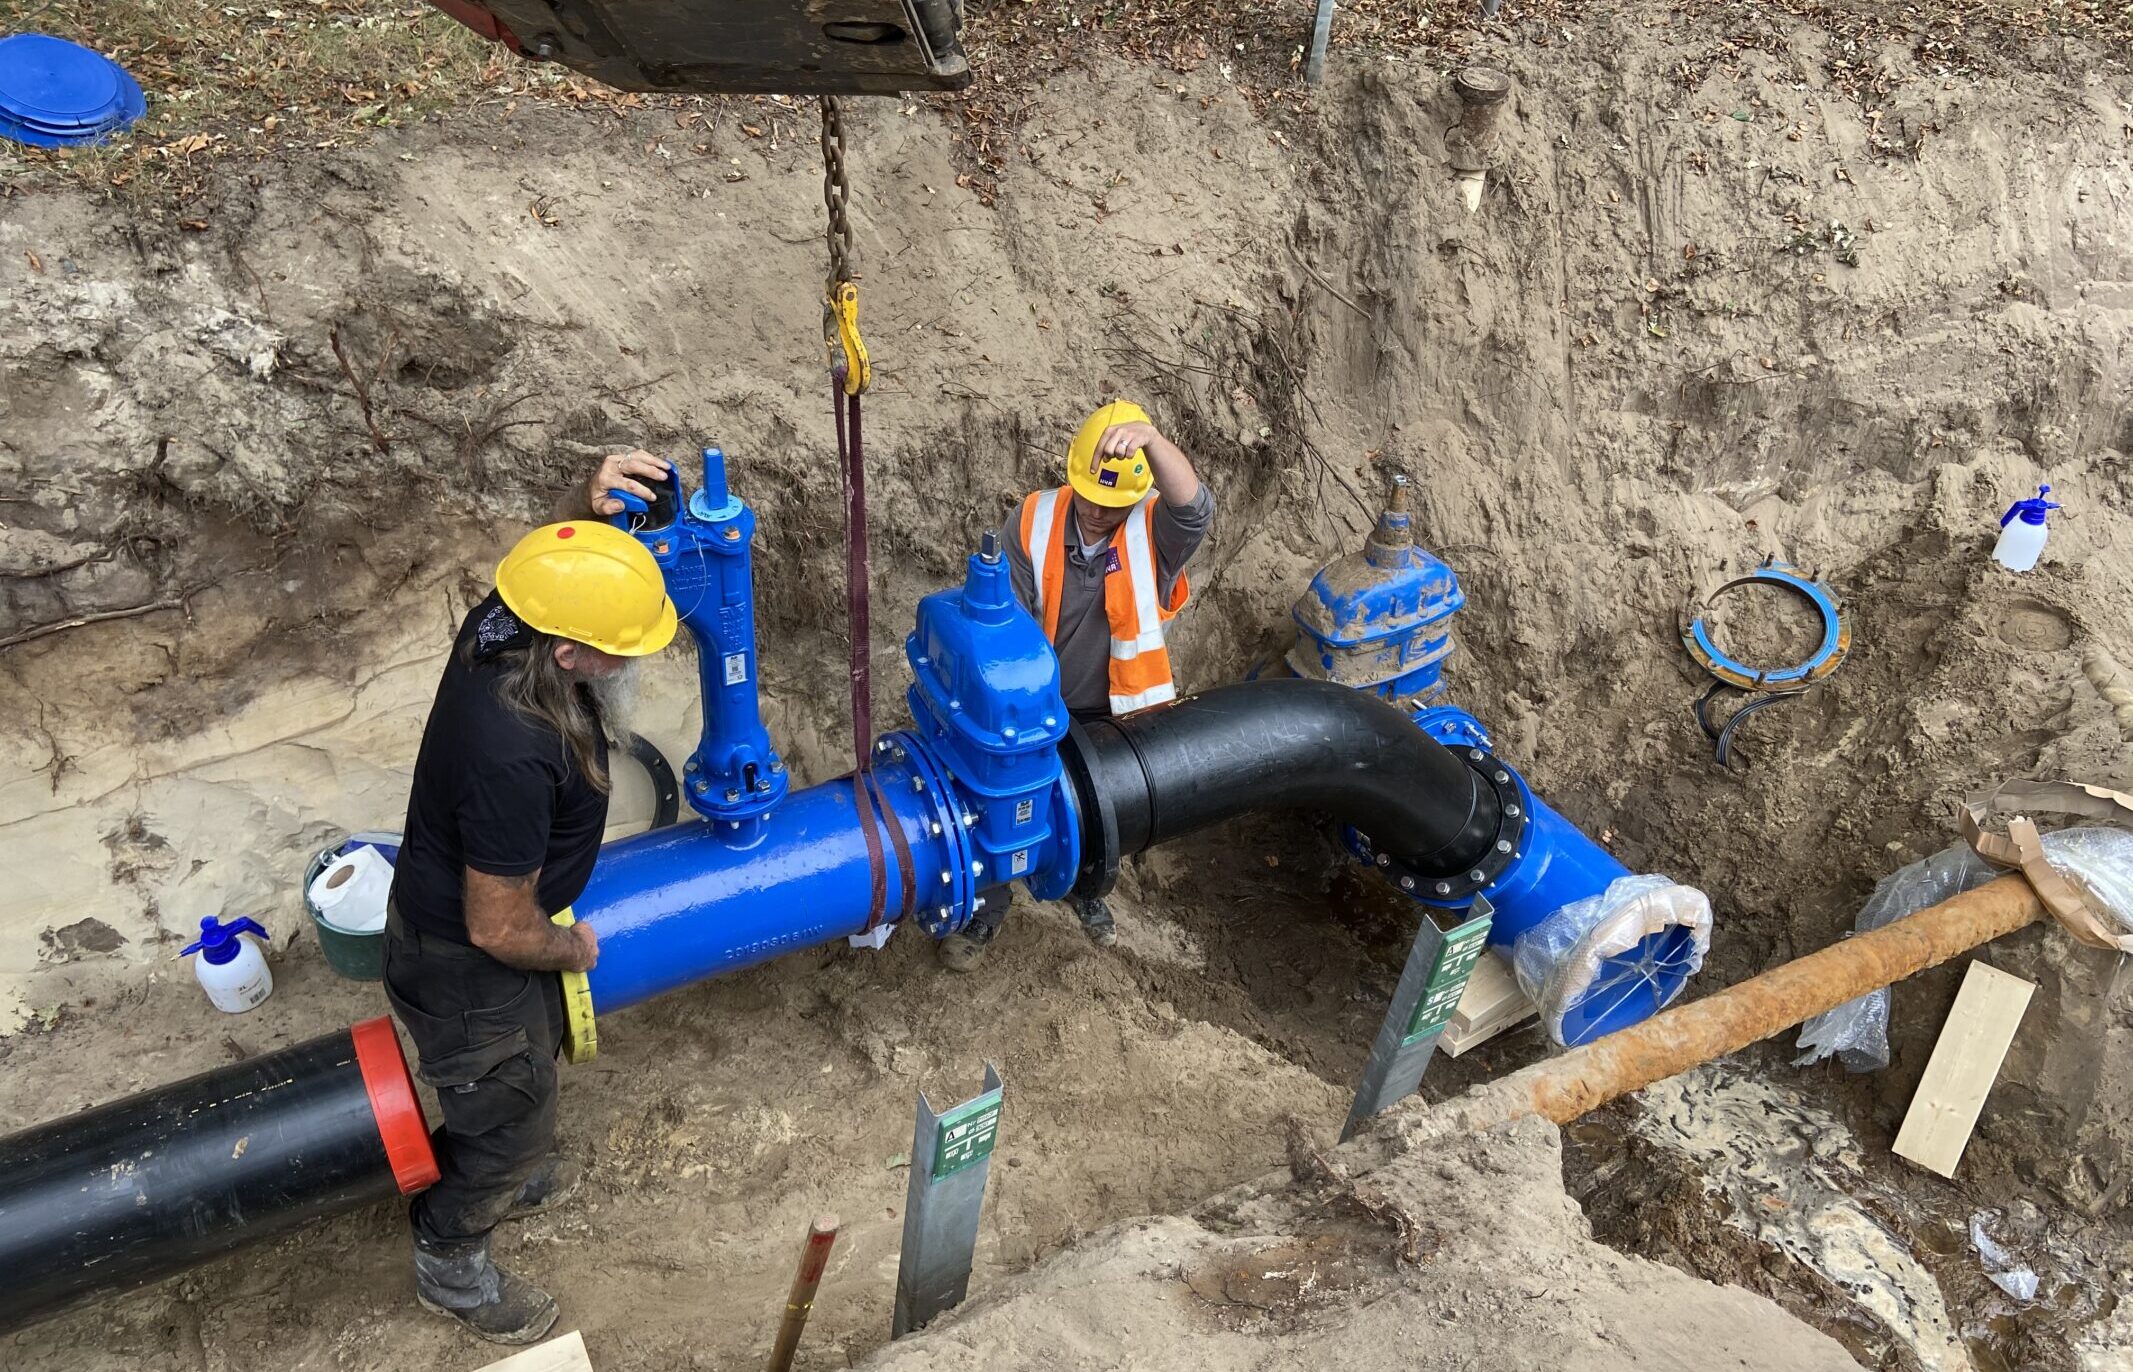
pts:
pixel 231 969
pixel 2022 532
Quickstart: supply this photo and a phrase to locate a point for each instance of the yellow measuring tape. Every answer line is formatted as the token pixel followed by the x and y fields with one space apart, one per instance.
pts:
pixel 581 1039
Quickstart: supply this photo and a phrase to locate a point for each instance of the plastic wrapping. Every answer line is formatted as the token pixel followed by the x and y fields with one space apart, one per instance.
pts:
pixel 2097 860
pixel 1588 949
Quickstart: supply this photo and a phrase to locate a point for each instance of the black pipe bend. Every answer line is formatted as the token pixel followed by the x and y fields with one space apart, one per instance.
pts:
pixel 1279 744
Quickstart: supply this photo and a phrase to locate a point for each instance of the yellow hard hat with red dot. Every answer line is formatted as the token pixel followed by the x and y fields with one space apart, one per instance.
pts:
pixel 589 582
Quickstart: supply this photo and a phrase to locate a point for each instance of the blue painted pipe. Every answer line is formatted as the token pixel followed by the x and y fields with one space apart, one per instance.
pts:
pixel 698 900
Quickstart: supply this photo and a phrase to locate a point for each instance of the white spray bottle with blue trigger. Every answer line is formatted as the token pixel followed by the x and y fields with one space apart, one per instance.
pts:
pixel 2022 532
pixel 231 969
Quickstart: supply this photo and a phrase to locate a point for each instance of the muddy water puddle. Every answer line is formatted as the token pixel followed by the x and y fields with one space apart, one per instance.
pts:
pixel 1750 1182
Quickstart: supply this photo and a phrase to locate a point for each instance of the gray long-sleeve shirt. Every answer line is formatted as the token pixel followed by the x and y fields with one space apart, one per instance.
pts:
pixel 1084 642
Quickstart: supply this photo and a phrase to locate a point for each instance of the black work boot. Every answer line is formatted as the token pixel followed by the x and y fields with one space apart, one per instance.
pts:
pixel 459 1281
pixel 964 951
pixel 550 1185
pixel 1096 920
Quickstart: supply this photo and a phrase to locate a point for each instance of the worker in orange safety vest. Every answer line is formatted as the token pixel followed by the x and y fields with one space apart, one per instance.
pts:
pixel 1100 563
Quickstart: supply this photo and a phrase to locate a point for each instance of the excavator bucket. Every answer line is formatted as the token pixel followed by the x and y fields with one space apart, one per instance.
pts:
pixel 791 47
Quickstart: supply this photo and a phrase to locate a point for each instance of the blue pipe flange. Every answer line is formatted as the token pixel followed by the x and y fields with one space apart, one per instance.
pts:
pixel 1828 654
pixel 1505 849
pixel 945 898
pixel 1054 878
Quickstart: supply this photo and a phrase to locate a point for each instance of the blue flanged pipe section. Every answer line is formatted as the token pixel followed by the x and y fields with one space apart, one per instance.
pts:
pixel 696 900
pixel 1541 865
pixel 1553 864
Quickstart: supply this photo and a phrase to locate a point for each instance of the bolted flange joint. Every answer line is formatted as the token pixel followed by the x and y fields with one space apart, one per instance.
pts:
pixel 1456 887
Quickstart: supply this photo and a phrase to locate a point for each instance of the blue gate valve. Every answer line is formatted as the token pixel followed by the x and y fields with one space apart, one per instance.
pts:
pixel 985 700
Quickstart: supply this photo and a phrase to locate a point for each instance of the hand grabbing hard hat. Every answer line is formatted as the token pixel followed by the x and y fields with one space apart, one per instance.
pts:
pixel 1116 482
pixel 589 582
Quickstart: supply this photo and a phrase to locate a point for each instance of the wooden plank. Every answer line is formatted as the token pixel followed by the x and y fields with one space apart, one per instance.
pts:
pixel 1965 1063
pixel 1492 1004
pixel 566 1354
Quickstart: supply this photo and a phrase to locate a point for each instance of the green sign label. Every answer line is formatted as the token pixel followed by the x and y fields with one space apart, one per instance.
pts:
pixel 966 1135
pixel 1456 956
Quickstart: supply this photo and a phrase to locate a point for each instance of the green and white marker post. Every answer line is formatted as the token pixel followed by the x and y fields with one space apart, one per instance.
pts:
pixel 1422 1004
pixel 951 1159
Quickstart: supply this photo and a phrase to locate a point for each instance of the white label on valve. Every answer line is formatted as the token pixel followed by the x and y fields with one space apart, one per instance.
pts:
pixel 736 668
pixel 1019 863
pixel 1024 808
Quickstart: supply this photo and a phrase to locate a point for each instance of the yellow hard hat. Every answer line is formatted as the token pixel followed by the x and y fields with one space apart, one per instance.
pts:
pixel 1120 481
pixel 590 582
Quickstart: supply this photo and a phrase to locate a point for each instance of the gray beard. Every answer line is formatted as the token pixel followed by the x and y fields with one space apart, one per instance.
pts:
pixel 619 696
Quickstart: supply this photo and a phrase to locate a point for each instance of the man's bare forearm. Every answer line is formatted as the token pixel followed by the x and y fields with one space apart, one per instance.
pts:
pixel 505 921
pixel 542 948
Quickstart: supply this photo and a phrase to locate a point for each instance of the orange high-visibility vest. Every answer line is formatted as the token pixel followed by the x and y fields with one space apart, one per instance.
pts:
pixel 1140 663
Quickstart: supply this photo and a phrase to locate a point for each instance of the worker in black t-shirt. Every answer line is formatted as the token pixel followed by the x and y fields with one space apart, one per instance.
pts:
pixel 504 821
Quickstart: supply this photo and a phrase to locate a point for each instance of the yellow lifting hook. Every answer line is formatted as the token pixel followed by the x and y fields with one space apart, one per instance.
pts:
pixel 840 336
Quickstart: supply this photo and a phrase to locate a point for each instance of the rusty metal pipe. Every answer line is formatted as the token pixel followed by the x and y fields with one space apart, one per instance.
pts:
pixel 1583 1079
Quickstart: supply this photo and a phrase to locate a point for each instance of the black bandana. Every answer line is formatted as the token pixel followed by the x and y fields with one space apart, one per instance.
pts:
pixel 499 631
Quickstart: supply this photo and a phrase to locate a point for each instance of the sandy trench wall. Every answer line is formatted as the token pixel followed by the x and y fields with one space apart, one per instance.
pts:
pixel 1598 417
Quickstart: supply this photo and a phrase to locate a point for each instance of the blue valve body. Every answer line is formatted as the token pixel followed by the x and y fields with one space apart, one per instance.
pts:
pixel 985 698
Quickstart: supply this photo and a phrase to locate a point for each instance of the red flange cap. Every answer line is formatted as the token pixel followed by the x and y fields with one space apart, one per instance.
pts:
pixel 392 1100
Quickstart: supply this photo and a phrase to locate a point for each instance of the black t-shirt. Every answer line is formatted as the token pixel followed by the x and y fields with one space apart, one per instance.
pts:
pixel 496 791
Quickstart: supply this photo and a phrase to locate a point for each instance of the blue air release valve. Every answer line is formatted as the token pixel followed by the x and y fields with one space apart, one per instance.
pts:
pixel 702 548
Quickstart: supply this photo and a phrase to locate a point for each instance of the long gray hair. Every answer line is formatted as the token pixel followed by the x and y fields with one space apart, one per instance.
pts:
pixel 542 690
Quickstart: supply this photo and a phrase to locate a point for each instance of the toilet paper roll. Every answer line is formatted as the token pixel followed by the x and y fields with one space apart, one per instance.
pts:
pixel 350 894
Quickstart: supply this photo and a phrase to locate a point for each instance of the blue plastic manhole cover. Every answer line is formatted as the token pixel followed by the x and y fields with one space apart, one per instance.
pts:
pixel 53 93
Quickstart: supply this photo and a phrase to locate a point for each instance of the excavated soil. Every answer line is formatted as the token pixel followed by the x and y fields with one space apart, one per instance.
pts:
pixel 1716 306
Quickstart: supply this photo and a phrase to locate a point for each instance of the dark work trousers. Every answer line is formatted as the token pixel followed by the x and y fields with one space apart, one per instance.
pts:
pixel 487 1036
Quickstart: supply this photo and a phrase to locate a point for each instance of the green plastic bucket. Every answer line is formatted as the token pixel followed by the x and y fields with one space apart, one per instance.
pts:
pixel 357 955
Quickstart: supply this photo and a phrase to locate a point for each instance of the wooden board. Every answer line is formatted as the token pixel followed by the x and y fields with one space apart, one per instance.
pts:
pixel 1492 1004
pixel 1965 1063
pixel 566 1354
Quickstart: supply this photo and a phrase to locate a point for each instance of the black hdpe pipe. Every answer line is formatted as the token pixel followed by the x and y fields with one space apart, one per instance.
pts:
pixel 116 1197
pixel 1285 743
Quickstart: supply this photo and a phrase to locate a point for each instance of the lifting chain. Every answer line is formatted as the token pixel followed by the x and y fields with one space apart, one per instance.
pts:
pixel 840 297
pixel 850 374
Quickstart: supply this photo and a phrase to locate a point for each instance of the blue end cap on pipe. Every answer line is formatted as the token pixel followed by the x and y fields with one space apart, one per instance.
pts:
pixel 1556 865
